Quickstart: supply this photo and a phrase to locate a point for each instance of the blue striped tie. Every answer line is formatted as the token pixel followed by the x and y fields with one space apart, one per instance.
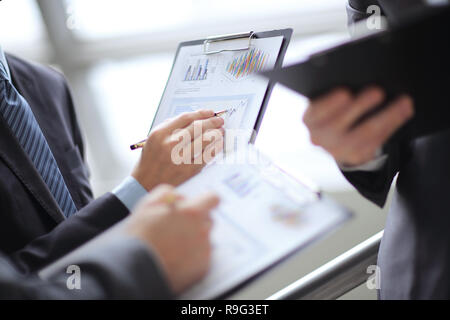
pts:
pixel 20 118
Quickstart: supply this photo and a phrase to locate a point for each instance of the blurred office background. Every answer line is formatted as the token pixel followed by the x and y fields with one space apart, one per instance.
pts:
pixel 117 57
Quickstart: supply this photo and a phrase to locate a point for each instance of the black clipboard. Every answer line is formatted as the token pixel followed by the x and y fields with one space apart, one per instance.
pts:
pixel 285 33
pixel 411 58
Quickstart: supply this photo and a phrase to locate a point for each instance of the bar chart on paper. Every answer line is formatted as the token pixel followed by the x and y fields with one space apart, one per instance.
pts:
pixel 223 81
pixel 198 70
pixel 248 63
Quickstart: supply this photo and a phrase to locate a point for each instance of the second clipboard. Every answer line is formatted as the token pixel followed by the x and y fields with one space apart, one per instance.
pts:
pixel 411 58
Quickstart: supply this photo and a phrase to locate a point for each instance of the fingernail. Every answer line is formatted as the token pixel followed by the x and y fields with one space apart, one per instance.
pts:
pixel 376 94
pixel 209 113
pixel 407 106
pixel 343 94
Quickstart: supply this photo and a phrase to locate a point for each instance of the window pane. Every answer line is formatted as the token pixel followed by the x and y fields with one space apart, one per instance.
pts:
pixel 128 94
pixel 20 24
pixel 106 18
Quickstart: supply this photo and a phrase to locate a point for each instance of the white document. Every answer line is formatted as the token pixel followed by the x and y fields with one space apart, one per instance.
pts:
pixel 222 81
pixel 264 215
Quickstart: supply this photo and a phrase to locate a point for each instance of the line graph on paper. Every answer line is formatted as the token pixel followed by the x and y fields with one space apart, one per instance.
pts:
pixel 236 108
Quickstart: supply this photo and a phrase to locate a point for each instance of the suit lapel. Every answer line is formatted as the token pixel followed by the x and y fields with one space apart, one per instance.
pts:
pixel 17 160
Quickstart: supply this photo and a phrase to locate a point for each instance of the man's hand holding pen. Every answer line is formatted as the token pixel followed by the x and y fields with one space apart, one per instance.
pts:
pixel 141 143
pixel 157 165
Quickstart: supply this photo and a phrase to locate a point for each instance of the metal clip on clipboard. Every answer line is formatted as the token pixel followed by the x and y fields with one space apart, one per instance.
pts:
pixel 235 36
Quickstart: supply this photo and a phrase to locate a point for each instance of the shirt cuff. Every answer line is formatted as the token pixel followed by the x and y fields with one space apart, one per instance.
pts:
pixel 372 165
pixel 129 192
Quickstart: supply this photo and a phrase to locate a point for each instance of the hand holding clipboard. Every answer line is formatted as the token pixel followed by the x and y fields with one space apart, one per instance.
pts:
pixel 411 58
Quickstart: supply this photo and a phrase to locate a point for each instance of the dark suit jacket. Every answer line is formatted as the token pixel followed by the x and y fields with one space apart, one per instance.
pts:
pixel 27 208
pixel 137 276
pixel 414 257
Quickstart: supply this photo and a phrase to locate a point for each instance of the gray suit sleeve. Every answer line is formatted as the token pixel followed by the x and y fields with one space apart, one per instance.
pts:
pixel 109 267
